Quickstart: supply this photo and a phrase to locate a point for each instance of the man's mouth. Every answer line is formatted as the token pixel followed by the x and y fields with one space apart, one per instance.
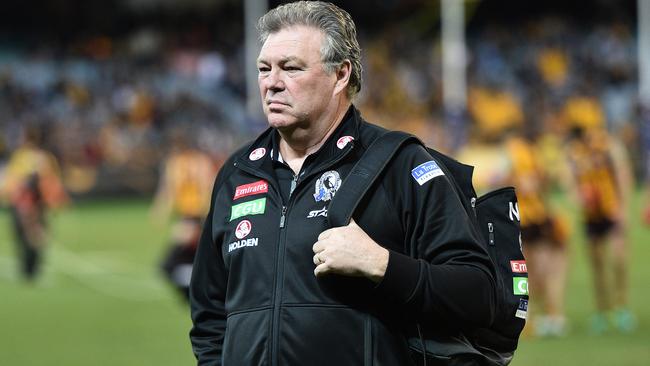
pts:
pixel 276 102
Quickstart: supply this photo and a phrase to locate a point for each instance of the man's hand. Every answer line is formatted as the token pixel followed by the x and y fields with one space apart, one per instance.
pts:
pixel 349 251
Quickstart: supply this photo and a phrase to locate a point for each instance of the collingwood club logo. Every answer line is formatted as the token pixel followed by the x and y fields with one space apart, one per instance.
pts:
pixel 327 185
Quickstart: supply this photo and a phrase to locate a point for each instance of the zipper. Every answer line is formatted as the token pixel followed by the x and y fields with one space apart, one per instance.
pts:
pixel 279 264
pixel 283 217
pixel 279 276
pixel 279 271
pixel 491 233
pixel 277 290
pixel 294 183
pixel 279 280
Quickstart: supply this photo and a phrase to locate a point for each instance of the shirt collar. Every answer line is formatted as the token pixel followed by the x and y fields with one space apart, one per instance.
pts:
pixel 265 149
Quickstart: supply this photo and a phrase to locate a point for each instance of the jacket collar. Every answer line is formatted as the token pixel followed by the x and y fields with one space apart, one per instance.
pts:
pixel 260 153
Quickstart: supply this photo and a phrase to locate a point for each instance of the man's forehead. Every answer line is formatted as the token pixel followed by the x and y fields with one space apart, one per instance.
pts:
pixel 296 42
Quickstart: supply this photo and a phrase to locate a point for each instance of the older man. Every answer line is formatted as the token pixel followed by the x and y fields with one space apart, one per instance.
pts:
pixel 272 285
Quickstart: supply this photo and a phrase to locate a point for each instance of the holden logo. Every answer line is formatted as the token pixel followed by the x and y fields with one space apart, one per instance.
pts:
pixel 243 229
pixel 343 141
pixel 257 154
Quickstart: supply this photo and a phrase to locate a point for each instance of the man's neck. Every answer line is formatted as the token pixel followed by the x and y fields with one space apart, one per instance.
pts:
pixel 296 145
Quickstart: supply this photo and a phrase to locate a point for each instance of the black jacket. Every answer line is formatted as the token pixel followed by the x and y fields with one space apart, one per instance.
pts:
pixel 255 299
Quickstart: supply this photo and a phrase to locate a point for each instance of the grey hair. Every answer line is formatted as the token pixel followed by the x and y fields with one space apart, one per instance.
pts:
pixel 336 24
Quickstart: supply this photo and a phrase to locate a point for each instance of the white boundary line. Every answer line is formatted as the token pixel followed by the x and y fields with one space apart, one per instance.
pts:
pixel 7 268
pixel 107 276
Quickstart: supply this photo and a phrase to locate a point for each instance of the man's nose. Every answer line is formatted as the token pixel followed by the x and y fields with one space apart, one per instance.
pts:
pixel 273 81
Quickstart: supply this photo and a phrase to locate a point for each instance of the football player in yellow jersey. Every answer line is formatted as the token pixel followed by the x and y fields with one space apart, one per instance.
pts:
pixel 30 186
pixel 502 157
pixel 184 195
pixel 544 234
pixel 603 180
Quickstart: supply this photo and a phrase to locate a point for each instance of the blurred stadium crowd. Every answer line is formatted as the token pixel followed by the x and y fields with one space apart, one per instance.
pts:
pixel 106 107
pixel 157 107
pixel 107 104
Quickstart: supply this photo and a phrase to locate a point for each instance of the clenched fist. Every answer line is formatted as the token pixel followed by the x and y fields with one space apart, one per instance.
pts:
pixel 349 251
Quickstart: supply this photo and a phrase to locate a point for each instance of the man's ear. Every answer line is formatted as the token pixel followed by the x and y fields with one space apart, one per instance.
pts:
pixel 343 72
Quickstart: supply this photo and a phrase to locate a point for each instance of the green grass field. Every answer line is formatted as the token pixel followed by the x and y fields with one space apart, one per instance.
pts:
pixel 101 299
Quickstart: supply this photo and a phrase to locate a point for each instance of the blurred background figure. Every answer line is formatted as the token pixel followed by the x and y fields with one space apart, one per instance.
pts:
pixel 602 181
pixel 183 196
pixel 646 209
pixel 544 232
pixel 494 110
pixel 506 151
pixel 31 186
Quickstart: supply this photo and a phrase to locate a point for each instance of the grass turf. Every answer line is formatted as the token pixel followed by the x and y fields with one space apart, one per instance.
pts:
pixel 101 299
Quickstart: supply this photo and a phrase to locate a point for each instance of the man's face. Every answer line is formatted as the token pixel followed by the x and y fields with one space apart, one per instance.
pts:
pixel 294 87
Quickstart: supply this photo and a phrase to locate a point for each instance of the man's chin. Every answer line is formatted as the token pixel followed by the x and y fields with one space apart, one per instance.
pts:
pixel 279 122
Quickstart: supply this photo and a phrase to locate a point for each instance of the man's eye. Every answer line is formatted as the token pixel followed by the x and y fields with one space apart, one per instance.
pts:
pixel 292 68
pixel 263 69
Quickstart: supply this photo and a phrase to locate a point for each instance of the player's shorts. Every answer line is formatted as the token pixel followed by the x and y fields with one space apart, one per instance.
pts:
pixel 536 234
pixel 599 228
pixel 553 231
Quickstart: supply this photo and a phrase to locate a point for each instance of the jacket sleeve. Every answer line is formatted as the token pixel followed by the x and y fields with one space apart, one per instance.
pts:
pixel 208 290
pixel 443 274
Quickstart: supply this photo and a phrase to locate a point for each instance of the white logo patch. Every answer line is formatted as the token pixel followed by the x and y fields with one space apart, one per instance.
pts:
pixel 426 171
pixel 327 185
pixel 522 309
pixel 343 141
pixel 315 213
pixel 514 211
pixel 257 154
pixel 252 242
pixel 243 229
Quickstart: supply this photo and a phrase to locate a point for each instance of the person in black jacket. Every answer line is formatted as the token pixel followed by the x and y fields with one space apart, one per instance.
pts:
pixel 272 285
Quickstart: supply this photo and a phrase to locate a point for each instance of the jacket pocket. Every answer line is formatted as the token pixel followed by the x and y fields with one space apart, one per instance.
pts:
pixel 246 339
pixel 321 335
